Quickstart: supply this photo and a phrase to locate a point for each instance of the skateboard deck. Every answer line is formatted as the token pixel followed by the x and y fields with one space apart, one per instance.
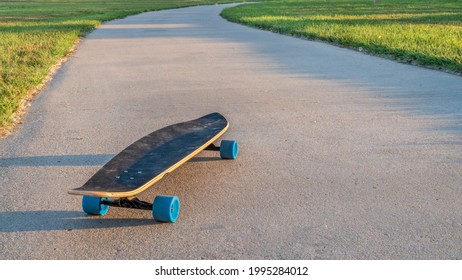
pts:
pixel 146 161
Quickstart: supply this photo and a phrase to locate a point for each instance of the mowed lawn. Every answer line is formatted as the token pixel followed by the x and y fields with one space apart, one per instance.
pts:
pixel 423 32
pixel 36 34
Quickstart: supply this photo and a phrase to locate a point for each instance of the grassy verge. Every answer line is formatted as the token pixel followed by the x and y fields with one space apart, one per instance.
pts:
pixel 36 34
pixel 427 33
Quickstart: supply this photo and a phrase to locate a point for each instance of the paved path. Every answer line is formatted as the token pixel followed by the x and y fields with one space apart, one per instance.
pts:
pixel 342 155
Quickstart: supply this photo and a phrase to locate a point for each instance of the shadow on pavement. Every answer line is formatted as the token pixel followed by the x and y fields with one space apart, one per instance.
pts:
pixel 57 160
pixel 26 221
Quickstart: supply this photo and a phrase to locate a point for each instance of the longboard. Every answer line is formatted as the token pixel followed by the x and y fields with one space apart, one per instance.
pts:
pixel 146 161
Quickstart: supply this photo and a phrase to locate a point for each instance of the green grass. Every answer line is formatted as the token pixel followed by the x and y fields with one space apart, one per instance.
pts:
pixel 35 35
pixel 423 32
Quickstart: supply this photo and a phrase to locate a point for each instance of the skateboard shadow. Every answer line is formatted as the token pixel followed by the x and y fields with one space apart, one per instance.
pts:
pixel 58 160
pixel 28 221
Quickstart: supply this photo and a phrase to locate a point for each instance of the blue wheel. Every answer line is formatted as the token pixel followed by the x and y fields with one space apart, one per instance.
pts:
pixel 228 149
pixel 92 205
pixel 166 208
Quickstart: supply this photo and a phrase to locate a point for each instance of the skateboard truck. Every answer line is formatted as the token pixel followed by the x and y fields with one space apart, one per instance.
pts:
pixel 128 202
pixel 212 147
pixel 164 208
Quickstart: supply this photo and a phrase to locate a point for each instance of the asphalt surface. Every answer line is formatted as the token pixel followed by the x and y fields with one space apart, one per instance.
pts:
pixel 342 155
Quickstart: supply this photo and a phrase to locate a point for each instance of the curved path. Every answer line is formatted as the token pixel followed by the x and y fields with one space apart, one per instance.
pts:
pixel 343 155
